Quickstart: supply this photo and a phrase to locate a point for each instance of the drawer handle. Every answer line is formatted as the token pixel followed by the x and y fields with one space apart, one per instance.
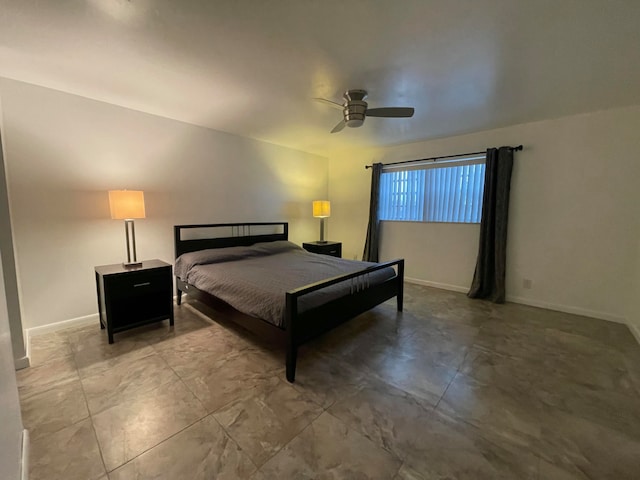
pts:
pixel 142 284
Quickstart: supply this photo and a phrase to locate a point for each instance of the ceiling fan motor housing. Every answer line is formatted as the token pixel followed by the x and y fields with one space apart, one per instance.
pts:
pixel 354 113
pixel 355 107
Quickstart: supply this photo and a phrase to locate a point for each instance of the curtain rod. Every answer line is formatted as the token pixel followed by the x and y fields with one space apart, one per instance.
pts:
pixel 515 149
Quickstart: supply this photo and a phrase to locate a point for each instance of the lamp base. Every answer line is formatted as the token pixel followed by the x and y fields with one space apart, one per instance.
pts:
pixel 130 231
pixel 322 241
pixel 131 264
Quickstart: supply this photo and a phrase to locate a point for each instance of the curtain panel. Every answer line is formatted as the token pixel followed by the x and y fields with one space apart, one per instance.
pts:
pixel 371 244
pixel 489 277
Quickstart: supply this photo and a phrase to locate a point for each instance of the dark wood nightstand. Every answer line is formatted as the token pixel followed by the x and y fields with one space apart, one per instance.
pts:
pixel 326 248
pixel 129 297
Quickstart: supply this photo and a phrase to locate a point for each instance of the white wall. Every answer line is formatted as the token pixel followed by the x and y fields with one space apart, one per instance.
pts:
pixel 10 418
pixel 63 153
pixel 573 212
pixel 10 277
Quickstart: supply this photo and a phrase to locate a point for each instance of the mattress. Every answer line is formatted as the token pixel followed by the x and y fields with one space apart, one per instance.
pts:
pixel 254 279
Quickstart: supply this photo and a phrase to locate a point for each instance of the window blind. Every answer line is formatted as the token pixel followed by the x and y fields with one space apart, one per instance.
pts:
pixel 434 192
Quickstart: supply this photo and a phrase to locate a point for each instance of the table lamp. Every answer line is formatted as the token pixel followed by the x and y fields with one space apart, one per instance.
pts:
pixel 321 210
pixel 127 205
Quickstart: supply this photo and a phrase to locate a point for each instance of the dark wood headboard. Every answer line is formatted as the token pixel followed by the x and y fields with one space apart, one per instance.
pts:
pixel 233 235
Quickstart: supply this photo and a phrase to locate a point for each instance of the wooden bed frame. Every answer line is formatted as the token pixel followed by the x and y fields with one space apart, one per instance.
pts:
pixel 300 327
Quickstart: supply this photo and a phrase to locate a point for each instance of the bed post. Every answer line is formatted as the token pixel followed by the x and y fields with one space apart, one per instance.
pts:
pixel 291 312
pixel 177 237
pixel 400 296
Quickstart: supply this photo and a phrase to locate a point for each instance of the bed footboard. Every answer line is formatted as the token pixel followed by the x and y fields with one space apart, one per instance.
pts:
pixel 303 326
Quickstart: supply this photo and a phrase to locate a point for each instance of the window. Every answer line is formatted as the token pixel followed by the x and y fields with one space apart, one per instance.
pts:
pixel 447 191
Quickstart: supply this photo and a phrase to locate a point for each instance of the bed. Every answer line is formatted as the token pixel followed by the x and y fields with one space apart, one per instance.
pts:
pixel 273 287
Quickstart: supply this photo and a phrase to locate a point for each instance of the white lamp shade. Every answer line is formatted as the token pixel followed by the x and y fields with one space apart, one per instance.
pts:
pixel 126 204
pixel 321 208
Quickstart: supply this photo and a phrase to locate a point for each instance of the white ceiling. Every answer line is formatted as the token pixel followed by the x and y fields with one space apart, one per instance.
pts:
pixel 252 67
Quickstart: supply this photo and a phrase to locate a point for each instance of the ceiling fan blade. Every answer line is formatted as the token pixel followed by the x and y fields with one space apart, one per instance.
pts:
pixel 338 127
pixel 390 112
pixel 330 103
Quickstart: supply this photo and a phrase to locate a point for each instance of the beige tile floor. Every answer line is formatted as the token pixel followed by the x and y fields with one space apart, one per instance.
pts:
pixel 450 389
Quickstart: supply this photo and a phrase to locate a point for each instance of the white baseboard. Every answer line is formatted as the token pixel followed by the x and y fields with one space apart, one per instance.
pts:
pixel 24 461
pixel 53 327
pixel 610 317
pixel 443 286
pixel 533 303
pixel 22 362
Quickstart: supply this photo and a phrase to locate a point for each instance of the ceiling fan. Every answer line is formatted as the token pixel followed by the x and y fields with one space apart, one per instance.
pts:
pixel 355 109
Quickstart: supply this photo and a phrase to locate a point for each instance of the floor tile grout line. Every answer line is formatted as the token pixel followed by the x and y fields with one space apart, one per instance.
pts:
pixel 277 377
pixel 478 431
pixel 157 444
pixel 451 381
pixel 363 433
pixel 461 419
pixel 93 427
pixel 291 439
pixel 435 407
pixel 124 362
pixel 365 436
pixel 182 379
pixel 39 390
pixel 184 384
pixel 123 400
pixel 233 439
pixel 95 436
pixel 235 442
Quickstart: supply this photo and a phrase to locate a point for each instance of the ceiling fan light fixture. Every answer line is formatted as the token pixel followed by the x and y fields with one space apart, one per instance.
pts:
pixel 355 122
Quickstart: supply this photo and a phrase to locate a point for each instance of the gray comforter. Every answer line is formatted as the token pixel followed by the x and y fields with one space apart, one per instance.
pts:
pixel 254 279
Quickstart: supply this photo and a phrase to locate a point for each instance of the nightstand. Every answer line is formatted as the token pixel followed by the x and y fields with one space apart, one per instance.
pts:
pixel 326 248
pixel 129 297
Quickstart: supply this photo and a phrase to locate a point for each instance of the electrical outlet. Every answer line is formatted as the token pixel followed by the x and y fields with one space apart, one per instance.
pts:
pixel 527 283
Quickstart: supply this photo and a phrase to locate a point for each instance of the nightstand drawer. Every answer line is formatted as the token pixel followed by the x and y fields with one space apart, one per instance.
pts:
pixel 324 248
pixel 139 283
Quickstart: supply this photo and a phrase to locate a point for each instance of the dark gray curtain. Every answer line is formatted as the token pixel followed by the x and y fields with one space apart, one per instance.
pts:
pixel 373 230
pixel 489 277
